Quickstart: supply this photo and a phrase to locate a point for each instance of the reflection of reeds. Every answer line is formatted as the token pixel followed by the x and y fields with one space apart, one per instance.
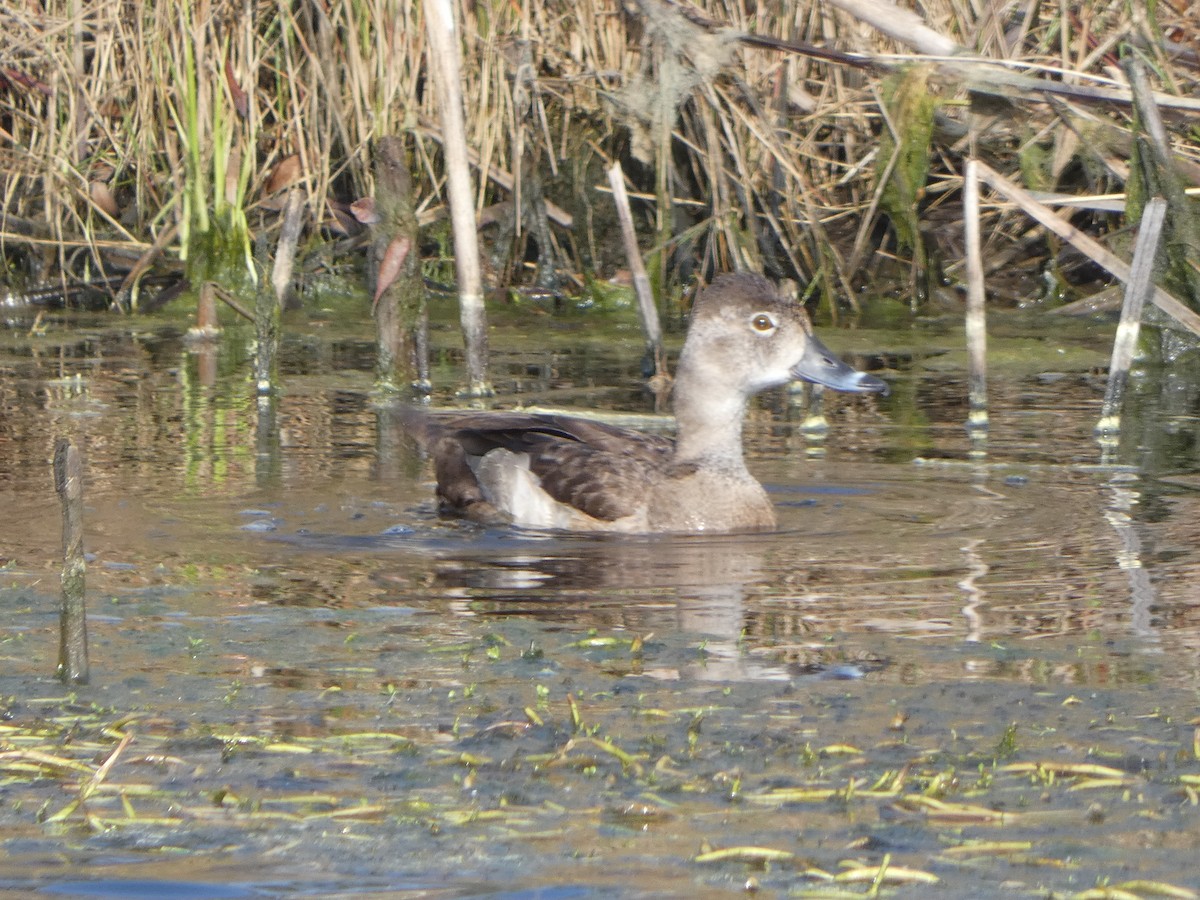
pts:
pixel 119 121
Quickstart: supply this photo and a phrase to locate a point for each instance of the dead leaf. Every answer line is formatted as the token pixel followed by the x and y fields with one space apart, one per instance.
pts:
pixel 390 265
pixel 364 211
pixel 286 173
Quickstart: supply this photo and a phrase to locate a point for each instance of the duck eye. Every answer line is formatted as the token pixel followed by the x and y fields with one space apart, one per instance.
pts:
pixel 762 322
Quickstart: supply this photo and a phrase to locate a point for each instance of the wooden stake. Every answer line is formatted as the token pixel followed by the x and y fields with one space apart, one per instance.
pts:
pixel 73 640
pixel 1137 289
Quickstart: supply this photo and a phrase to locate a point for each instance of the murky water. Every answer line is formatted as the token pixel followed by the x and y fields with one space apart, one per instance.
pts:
pixel 975 668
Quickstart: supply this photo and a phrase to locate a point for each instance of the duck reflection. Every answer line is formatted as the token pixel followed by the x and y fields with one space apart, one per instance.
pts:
pixel 693 584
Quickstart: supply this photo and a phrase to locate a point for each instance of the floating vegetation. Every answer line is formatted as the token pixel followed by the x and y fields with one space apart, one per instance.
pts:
pixel 745 854
pixel 767 802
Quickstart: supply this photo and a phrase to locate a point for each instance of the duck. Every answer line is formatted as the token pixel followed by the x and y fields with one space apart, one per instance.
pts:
pixel 549 471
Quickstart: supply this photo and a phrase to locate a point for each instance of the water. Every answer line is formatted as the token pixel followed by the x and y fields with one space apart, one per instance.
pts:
pixel 332 691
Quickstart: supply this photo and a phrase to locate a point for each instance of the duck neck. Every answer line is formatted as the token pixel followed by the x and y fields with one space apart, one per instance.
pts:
pixel 708 421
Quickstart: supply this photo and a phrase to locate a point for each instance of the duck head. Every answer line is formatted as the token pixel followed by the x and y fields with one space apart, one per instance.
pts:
pixel 762 340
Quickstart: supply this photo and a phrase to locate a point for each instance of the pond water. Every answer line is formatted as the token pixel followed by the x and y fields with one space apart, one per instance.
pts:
pixel 956 670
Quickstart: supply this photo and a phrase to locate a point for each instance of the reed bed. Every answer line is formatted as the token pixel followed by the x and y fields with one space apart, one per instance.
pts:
pixel 164 136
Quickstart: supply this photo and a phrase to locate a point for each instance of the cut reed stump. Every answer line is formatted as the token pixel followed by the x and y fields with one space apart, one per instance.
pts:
pixel 976 319
pixel 394 272
pixel 73 639
pixel 1137 291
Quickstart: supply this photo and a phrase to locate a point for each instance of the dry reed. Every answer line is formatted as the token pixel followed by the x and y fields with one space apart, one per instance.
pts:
pixel 121 121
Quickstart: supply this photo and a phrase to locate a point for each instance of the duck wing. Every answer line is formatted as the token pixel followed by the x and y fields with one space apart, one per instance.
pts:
pixel 607 475
pixel 599 469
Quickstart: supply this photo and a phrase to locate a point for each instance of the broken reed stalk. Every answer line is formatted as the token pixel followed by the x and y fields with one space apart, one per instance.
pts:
pixel 976 323
pixel 443 56
pixel 1137 288
pixel 73 641
pixel 903 25
pixel 1086 245
pixel 270 303
pixel 641 281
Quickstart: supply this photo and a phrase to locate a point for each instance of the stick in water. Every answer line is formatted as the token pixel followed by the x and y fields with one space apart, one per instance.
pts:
pixel 73 643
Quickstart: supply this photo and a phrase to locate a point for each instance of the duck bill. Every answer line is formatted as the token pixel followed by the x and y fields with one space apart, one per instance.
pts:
pixel 820 366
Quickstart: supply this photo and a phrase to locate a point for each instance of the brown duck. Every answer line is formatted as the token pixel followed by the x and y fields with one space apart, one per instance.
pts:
pixel 560 472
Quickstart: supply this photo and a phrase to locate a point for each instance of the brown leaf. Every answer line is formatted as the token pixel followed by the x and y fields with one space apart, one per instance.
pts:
pixel 24 79
pixel 364 211
pixel 286 173
pixel 390 265
pixel 103 198
pixel 241 102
